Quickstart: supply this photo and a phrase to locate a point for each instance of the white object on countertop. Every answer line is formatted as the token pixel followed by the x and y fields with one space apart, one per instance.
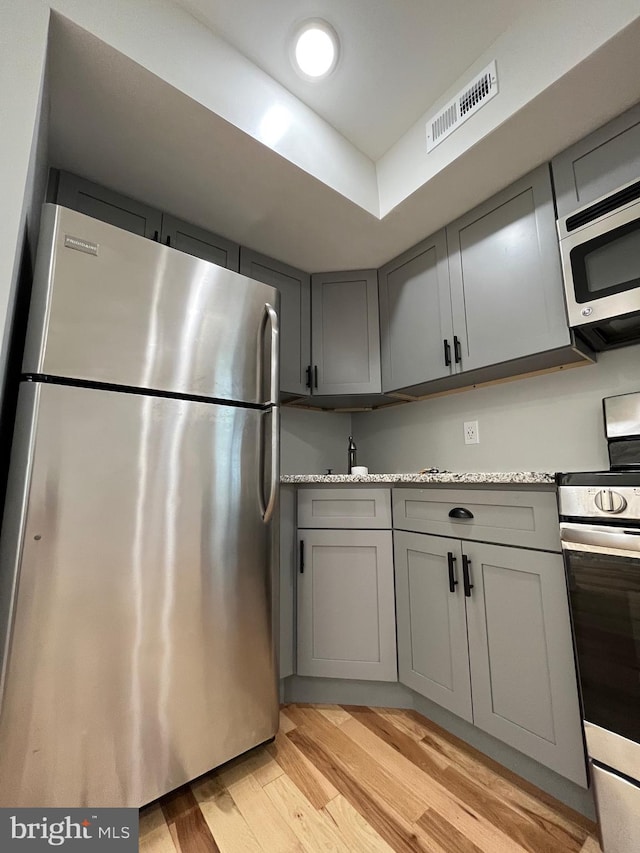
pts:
pixel 359 470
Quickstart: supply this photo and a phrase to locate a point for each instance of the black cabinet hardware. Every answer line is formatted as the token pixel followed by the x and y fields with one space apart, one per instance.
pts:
pixel 315 376
pixel 447 353
pixel 456 349
pixel 466 562
pixel 453 583
pixel 155 236
pixel 460 512
pixel 301 557
pixel 308 382
pixel 168 241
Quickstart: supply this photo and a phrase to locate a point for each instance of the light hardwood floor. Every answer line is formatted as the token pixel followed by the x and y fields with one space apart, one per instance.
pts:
pixel 362 780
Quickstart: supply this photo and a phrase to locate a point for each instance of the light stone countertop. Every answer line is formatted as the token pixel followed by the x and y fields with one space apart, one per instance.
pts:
pixel 460 478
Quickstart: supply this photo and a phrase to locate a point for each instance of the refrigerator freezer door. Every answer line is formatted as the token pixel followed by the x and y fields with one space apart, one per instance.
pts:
pixel 140 653
pixel 109 306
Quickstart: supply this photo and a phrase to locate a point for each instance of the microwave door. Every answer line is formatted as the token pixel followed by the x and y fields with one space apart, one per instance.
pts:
pixel 601 269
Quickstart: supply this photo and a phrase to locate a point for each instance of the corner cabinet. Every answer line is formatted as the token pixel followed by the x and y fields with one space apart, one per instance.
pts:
pixel 484 630
pixel 295 316
pixel 345 615
pixel 506 280
pixel 345 333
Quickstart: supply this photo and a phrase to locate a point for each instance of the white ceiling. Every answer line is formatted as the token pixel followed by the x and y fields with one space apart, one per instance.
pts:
pixel 397 56
pixel 154 107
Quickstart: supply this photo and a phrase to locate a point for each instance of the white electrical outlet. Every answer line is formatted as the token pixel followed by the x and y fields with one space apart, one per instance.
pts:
pixel 471 434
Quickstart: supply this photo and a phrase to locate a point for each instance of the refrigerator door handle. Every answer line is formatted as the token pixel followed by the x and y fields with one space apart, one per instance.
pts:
pixel 274 466
pixel 271 318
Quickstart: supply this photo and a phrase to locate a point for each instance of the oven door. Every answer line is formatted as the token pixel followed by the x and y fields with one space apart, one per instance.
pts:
pixel 603 570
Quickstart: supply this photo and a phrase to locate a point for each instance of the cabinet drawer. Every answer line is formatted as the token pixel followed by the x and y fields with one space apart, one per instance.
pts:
pixel 526 519
pixel 352 508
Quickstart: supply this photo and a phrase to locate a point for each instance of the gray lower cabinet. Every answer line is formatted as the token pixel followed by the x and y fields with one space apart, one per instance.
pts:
pixel 295 316
pixel 432 625
pixel 345 333
pixel 598 164
pixel 416 327
pixel 506 280
pixel 345 615
pixel 501 657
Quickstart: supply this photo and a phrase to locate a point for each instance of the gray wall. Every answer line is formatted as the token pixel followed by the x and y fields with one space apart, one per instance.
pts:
pixel 311 442
pixel 544 423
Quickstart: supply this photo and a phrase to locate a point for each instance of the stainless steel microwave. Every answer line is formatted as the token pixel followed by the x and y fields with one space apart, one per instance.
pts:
pixel 600 251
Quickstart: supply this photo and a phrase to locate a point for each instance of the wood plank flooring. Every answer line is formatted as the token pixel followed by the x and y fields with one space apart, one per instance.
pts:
pixel 362 780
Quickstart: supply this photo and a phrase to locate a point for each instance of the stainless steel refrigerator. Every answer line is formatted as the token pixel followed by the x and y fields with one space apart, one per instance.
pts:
pixel 136 549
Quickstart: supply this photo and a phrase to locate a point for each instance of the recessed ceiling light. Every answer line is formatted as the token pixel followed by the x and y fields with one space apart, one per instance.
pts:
pixel 314 50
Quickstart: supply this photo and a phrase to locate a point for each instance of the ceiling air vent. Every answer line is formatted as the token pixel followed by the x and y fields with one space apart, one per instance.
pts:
pixel 481 89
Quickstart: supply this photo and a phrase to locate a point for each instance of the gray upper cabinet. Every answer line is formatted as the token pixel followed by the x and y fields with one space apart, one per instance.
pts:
pixel 506 280
pixel 107 206
pixel 416 328
pixel 203 244
pixel 599 163
pixel 131 215
pixel 345 333
pixel 295 316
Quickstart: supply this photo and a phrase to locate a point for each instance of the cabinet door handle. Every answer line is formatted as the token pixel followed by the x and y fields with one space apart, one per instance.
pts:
pixel 466 563
pixel 155 236
pixel 315 376
pixel 447 353
pixel 308 382
pixel 301 556
pixel 168 241
pixel 453 583
pixel 456 349
pixel 460 512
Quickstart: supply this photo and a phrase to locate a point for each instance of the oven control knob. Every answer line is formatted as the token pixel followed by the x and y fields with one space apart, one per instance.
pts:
pixel 609 501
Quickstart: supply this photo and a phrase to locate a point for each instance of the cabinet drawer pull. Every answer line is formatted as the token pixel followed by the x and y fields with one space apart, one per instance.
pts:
pixel 453 583
pixel 466 563
pixel 460 512
pixel 447 353
pixel 301 556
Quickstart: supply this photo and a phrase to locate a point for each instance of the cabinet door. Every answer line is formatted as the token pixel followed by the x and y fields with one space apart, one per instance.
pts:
pixel 521 654
pixel 599 163
pixel 506 281
pixel 203 244
pixel 295 316
pixel 432 629
pixel 416 329
pixel 107 206
pixel 345 333
pixel 346 616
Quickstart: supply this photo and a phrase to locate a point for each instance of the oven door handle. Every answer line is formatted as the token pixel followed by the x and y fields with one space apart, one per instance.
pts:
pixel 598 539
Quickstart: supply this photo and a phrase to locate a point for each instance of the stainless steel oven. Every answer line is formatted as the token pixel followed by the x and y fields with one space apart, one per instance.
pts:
pixel 600 532
pixel 600 250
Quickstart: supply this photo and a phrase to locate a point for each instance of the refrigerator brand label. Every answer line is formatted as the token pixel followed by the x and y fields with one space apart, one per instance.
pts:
pixel 80 245
pixel 82 830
